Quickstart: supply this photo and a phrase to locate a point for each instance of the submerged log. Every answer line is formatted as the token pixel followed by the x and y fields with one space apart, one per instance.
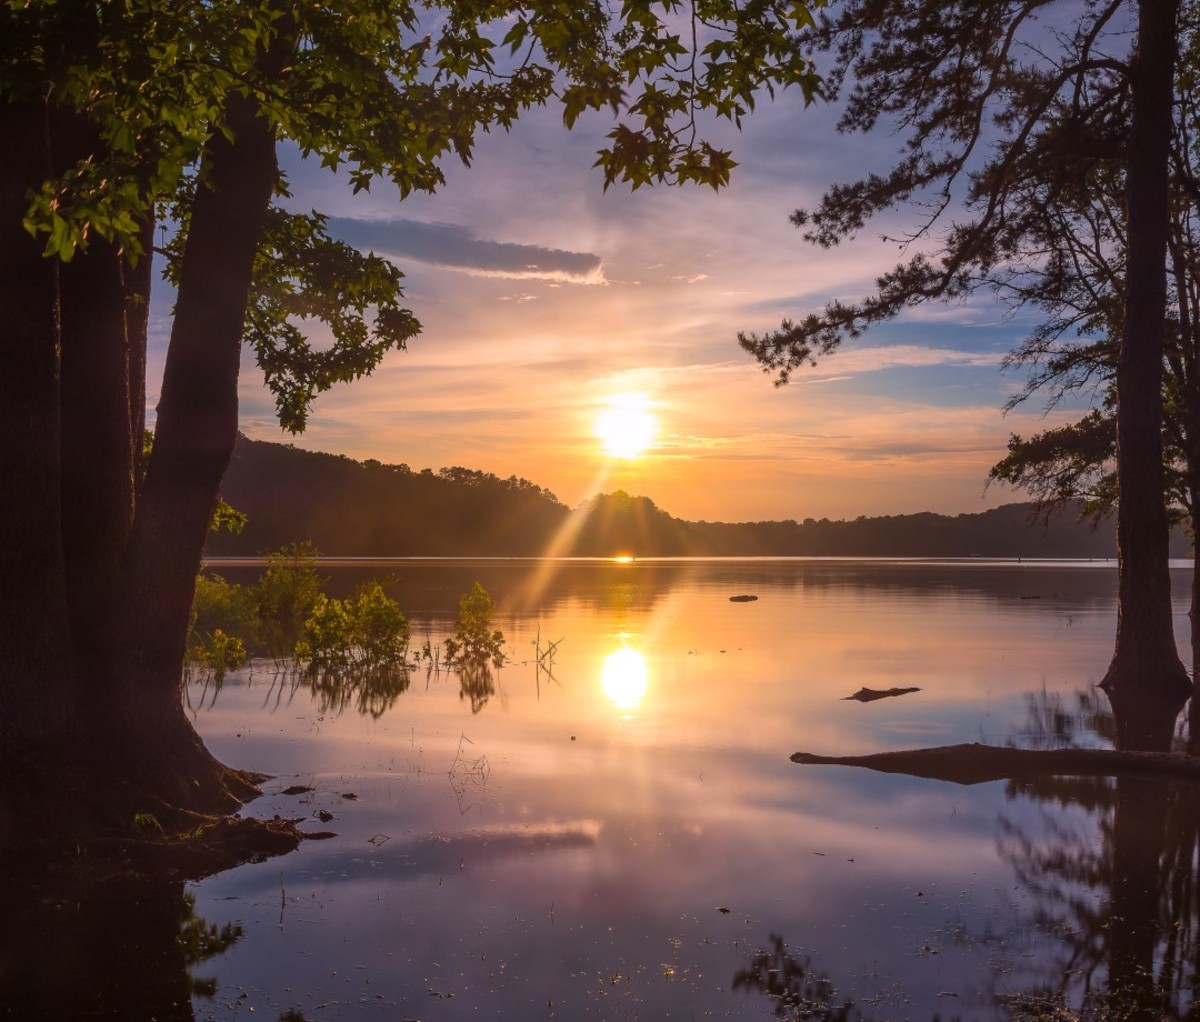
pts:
pixel 869 695
pixel 974 764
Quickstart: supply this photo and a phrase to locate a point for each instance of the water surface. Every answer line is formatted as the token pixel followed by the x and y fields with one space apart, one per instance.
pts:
pixel 617 832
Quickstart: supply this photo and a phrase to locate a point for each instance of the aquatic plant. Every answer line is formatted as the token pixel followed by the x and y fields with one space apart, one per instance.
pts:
pixel 474 640
pixel 284 598
pixel 367 630
pixel 217 651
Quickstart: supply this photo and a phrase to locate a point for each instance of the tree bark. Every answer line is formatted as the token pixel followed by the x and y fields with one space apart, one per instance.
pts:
pixel 35 646
pixel 1194 626
pixel 194 436
pixel 1146 683
pixel 103 343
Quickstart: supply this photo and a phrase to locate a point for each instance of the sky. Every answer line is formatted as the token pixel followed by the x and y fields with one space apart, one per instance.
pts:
pixel 545 298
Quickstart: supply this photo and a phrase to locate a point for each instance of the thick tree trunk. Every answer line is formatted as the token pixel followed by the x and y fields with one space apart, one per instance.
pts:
pixel 1146 683
pixel 194 437
pixel 1194 626
pixel 101 441
pixel 36 711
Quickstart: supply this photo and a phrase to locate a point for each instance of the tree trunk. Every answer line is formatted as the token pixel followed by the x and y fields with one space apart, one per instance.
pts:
pixel 1146 683
pixel 194 438
pixel 1194 626
pixel 101 440
pixel 37 717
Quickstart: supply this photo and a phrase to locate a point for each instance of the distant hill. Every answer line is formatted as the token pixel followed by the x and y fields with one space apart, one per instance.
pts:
pixel 360 509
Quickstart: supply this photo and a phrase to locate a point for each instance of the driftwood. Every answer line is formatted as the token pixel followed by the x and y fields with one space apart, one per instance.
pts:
pixel 869 695
pixel 974 764
pixel 743 598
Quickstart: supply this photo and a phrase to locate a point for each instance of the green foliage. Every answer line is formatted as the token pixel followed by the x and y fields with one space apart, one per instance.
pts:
pixel 219 603
pixel 284 597
pixel 365 631
pixel 304 275
pixel 356 651
pixel 218 652
pixel 1064 464
pixel 147 821
pixel 227 518
pixel 222 613
pixel 474 642
pixel 386 90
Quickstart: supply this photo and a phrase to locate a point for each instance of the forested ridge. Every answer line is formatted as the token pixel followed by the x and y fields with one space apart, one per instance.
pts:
pixel 356 509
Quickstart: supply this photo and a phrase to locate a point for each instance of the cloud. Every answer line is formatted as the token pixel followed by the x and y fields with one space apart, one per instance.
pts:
pixel 854 359
pixel 455 247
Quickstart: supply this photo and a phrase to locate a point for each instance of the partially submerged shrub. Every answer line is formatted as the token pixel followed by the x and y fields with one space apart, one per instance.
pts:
pixel 220 604
pixel 357 650
pixel 474 640
pixel 367 630
pixel 354 650
pixel 285 597
pixel 217 651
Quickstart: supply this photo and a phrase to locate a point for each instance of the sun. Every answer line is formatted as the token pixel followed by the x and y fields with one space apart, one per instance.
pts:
pixel 626 427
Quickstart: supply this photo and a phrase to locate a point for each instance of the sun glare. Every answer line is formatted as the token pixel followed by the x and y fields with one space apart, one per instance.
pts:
pixel 624 678
pixel 626 427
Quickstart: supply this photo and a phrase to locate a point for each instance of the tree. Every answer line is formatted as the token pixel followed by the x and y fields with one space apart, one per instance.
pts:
pixel 120 117
pixel 1010 115
pixel 1086 223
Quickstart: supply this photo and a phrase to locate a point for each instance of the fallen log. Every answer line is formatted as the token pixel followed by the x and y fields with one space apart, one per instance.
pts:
pixel 975 763
pixel 869 695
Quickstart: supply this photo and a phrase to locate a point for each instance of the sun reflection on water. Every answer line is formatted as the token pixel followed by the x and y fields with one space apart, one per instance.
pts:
pixel 624 678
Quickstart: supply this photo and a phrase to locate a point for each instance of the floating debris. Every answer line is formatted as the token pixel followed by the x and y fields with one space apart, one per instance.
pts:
pixel 743 598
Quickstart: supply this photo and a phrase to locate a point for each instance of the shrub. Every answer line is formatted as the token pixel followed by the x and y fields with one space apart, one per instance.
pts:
pixel 221 604
pixel 474 640
pixel 365 631
pixel 356 651
pixel 218 651
pixel 285 597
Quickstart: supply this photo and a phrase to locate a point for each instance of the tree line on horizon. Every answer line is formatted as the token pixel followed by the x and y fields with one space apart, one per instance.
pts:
pixel 366 508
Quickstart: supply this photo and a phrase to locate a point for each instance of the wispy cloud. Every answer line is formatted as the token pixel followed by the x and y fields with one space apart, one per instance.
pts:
pixel 455 247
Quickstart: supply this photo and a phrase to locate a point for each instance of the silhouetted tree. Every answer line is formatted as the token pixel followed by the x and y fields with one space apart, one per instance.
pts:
pixel 1011 115
pixel 116 116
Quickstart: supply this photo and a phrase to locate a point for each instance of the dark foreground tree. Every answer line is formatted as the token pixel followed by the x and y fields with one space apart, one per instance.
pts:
pixel 116 115
pixel 1085 221
pixel 1009 105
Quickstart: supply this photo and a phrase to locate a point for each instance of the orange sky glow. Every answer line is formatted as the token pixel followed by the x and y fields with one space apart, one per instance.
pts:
pixel 543 298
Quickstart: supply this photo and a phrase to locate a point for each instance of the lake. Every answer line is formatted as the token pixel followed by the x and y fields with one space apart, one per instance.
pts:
pixel 615 830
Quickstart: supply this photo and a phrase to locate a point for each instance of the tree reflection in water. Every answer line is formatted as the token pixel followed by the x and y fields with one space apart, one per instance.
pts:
pixel 1120 892
pixel 121 948
pixel 476 682
pixel 1114 871
pixel 797 991
pixel 371 691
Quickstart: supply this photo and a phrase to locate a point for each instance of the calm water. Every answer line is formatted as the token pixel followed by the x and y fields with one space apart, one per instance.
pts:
pixel 619 834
